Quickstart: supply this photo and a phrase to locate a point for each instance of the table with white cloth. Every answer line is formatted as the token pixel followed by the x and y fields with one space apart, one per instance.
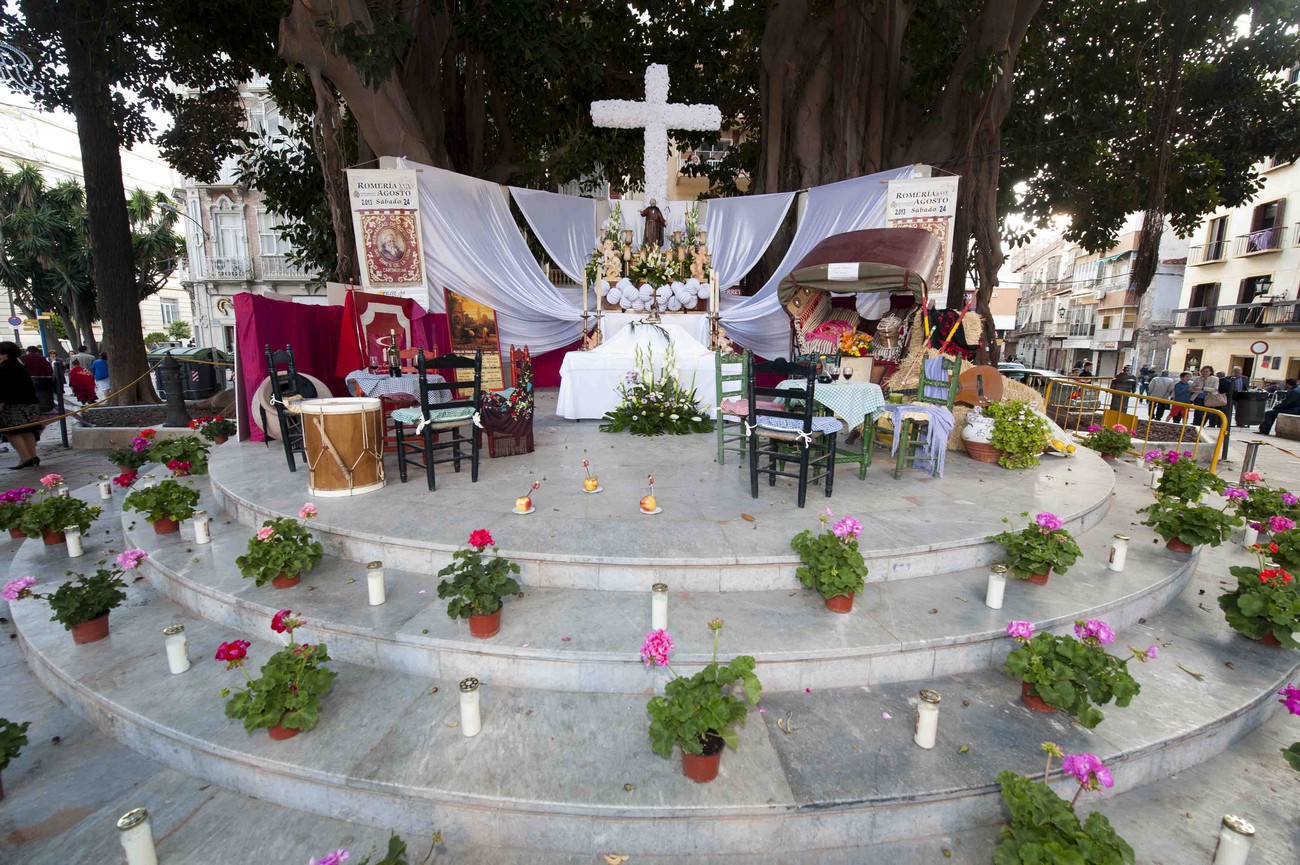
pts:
pixel 696 324
pixel 589 380
pixel 383 384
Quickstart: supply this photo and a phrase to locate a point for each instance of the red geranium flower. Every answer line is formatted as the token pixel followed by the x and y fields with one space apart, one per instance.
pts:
pixel 233 653
pixel 148 433
pixel 125 479
pixel 277 622
pixel 481 538
pixel 1272 548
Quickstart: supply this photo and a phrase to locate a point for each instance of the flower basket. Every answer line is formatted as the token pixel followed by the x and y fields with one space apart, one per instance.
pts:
pixel 1074 675
pixel 281 551
pixel 168 501
pixel 832 562
pixel 477 584
pixel 82 604
pixel 1265 605
pixel 286 697
pixel 1034 551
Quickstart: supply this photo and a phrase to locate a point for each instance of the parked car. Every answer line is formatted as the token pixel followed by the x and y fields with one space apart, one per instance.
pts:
pixel 1011 364
pixel 1035 378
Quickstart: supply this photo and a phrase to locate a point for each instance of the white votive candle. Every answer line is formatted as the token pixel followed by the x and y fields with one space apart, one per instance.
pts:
pixel 470 719
pixel 1118 553
pixel 137 837
pixel 1235 837
pixel 927 719
pixel 178 650
pixel 63 491
pixel 1251 536
pixel 105 487
pixel 202 527
pixel 997 587
pixel 72 535
pixel 1155 478
pixel 375 583
pixel 659 607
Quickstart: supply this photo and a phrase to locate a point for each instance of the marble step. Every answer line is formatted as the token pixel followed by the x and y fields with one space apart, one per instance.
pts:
pixel 573 772
pixel 915 527
pixel 583 640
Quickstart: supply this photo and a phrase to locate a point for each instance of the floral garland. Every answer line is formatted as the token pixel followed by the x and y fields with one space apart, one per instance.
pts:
pixel 656 403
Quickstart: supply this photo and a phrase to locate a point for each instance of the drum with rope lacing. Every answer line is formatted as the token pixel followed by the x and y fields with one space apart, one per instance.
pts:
pixel 344 440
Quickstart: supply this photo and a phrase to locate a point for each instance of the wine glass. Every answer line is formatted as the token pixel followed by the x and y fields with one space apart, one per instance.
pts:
pixel 848 373
pixel 374 365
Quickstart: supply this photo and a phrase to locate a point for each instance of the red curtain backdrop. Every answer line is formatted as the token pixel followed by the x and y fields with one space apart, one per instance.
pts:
pixel 350 355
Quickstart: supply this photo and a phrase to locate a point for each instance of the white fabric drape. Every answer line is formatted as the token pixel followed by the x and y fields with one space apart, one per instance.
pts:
pixel 564 224
pixel 758 322
pixel 473 247
pixel 740 230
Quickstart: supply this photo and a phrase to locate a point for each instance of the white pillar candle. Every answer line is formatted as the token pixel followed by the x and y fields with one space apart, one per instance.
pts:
pixel 470 719
pixel 1235 837
pixel 1155 478
pixel 1118 553
pixel 72 534
pixel 178 650
pixel 137 838
pixel 997 586
pixel 202 527
pixel 927 719
pixel 63 491
pixel 105 487
pixel 659 607
pixel 375 583
pixel 1251 536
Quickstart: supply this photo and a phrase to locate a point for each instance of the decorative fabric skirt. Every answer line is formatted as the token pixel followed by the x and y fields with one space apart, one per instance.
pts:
pixel 25 416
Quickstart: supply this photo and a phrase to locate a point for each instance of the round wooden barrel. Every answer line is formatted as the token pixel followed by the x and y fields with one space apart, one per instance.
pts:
pixel 344 438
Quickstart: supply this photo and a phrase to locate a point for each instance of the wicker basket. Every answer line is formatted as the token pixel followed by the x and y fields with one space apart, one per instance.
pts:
pixel 982 452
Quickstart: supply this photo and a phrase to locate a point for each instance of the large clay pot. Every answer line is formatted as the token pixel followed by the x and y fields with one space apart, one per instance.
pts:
pixel 281 733
pixel 1039 579
pixel 284 581
pixel 53 538
pixel 90 632
pixel 840 603
pixel 166 526
pixel 977 436
pixel 1033 701
pixel 485 626
pixel 981 452
pixel 16 534
pixel 1178 546
pixel 703 768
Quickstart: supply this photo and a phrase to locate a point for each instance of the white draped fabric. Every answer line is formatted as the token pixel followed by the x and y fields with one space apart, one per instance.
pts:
pixel 473 247
pixel 740 230
pixel 758 322
pixel 564 224
pixel 697 325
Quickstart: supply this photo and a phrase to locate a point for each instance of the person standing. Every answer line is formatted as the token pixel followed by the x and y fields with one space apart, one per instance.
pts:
pixel 1240 382
pixel 1182 393
pixel 1289 404
pixel 84 356
pixel 19 412
pixel 1161 387
pixel 35 363
pixel 1144 380
pixel 1205 384
pixel 99 369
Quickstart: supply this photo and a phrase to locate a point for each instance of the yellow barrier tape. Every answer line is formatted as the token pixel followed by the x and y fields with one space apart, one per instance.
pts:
pixel 47 421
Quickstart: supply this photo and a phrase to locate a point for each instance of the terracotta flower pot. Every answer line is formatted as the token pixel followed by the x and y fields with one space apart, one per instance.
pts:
pixel 53 538
pixel 16 534
pixel 1269 640
pixel 121 469
pixel 220 440
pixel 166 526
pixel 284 581
pixel 840 603
pixel 982 452
pixel 1039 579
pixel 703 768
pixel 281 733
pixel 90 632
pixel 485 626
pixel 1178 546
pixel 1033 701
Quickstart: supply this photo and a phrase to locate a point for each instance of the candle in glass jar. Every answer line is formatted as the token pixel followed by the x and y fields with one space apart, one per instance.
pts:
pixel 202 527
pixel 105 487
pixel 927 719
pixel 470 719
pixel 1155 478
pixel 375 583
pixel 659 607
pixel 137 837
pixel 997 586
pixel 1235 837
pixel 64 491
pixel 178 650
pixel 1251 536
pixel 1118 553
pixel 72 535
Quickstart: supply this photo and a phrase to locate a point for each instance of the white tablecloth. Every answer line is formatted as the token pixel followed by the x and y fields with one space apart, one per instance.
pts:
pixel 382 384
pixel 589 380
pixel 697 325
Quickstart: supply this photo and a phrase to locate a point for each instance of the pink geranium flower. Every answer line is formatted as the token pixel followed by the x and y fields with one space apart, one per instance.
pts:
pixel 656 648
pixel 129 560
pixel 51 480
pixel 1277 525
pixel 307 511
pixel 1119 427
pixel 1290 698
pixel 331 858
pixel 265 533
pixel 1094 428
pixel 1020 630
pixel 19 588
pixel 1289 500
pixel 846 528
pixel 1252 477
pixel 1049 521
pixel 1089 771
pixel 1094 632
pixel 233 653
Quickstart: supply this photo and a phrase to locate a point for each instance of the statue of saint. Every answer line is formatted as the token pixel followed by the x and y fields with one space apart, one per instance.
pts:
pixel 654 225
pixel 610 261
pixel 699 262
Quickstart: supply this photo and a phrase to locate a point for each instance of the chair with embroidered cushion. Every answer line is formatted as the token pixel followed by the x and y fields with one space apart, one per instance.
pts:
pixel 929 391
pixel 431 417
pixel 772 431
pixel 286 387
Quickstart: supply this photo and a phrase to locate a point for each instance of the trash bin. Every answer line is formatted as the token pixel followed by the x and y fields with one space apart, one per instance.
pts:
pixel 1248 407
pixel 199 380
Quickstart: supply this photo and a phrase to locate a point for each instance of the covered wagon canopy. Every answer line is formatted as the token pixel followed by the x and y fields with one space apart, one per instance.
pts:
pixel 874 259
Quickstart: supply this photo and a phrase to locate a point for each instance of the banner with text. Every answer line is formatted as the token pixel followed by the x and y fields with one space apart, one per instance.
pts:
pixel 386 222
pixel 929 203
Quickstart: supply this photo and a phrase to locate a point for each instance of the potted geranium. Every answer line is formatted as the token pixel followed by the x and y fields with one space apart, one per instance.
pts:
pixel 215 429
pixel 1044 824
pixel 51 513
pixel 477 584
pixel 832 563
pixel 699 713
pixel 1265 606
pixel 1035 550
pixel 1187 526
pixel 12 504
pixel 165 504
pixel 82 604
pixel 1072 675
pixel 285 699
pixel 187 449
pixel 129 457
pixel 13 736
pixel 1258 505
pixel 1111 442
pixel 1284 548
pixel 1184 480
pixel 282 551
pixel 1019 432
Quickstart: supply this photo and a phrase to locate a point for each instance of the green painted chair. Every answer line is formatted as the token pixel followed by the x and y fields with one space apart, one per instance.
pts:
pixel 911 428
pixel 731 372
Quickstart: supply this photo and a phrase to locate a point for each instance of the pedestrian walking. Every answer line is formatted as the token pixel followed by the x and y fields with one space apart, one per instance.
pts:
pixel 99 369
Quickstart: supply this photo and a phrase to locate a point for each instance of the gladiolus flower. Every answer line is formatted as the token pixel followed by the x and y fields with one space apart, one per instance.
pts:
pixel 307 511
pixel 1089 771
pixel 1290 698
pixel 1277 525
pixel 1094 630
pixel 1020 630
pixel 51 480
pixel 656 648
pixel 19 588
pixel 265 533
pixel 481 538
pixel 129 560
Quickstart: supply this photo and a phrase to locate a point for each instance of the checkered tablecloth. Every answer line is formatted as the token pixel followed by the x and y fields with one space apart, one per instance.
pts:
pixel 851 401
pixel 382 384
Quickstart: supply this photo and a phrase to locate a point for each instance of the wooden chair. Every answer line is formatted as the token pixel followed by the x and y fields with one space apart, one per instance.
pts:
pixel 287 385
pixel 406 360
pixel 433 417
pixel 772 432
pixel 508 413
pixel 929 391
pixel 731 372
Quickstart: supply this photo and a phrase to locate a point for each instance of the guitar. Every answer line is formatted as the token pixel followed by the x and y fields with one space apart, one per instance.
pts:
pixel 979 385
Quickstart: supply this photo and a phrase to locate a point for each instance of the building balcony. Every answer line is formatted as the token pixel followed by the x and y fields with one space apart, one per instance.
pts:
pixel 1079 329
pixel 1257 242
pixel 1208 253
pixel 1030 328
pixel 1055 328
pixel 1242 316
pixel 227 268
pixel 277 267
pixel 1118 335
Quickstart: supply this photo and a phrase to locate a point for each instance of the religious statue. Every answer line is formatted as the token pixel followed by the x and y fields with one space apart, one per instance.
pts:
pixel 610 261
pixel 699 262
pixel 654 225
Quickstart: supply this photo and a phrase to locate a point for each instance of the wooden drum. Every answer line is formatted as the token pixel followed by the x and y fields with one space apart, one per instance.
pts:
pixel 344 438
